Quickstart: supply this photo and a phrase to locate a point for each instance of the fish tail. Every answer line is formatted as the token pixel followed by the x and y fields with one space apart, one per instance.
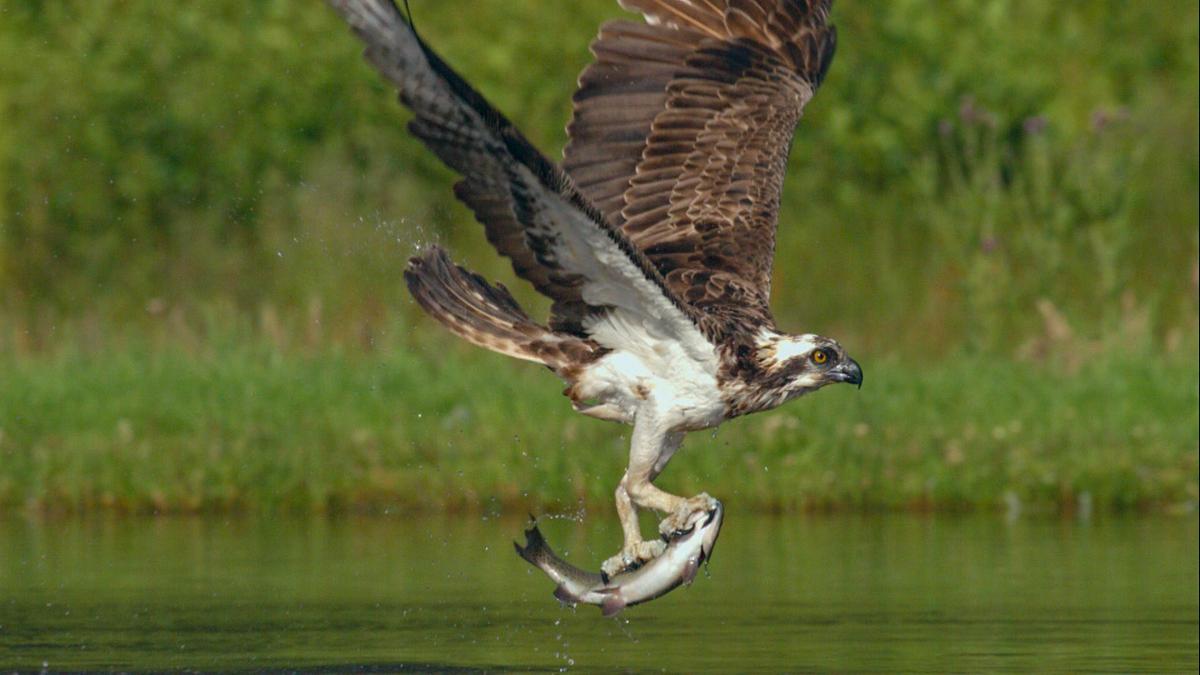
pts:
pixel 535 546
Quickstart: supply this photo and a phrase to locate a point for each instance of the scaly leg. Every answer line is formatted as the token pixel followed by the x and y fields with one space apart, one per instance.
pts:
pixel 635 550
pixel 650 450
pixel 682 512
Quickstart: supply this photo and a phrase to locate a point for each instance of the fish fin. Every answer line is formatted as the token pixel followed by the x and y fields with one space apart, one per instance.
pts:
pixel 689 571
pixel 613 604
pixel 564 596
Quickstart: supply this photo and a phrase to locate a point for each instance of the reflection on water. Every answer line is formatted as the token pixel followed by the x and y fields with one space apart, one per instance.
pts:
pixel 807 593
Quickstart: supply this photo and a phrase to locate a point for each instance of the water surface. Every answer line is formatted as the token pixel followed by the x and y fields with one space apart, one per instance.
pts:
pixel 841 593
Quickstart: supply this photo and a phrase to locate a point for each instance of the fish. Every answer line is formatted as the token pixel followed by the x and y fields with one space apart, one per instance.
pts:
pixel 687 549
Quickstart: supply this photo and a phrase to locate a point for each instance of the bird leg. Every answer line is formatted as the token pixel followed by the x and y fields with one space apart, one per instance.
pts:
pixel 650 450
pixel 635 551
pixel 681 510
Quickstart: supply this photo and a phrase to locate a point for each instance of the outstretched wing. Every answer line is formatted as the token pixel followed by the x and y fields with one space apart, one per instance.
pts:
pixel 531 210
pixel 681 133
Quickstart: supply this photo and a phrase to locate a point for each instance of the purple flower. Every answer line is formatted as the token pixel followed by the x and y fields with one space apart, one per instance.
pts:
pixel 968 112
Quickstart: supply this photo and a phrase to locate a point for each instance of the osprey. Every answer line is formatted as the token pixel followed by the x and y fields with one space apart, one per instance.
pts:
pixel 655 236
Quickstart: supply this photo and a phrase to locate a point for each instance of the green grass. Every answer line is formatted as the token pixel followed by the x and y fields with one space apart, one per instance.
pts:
pixel 241 425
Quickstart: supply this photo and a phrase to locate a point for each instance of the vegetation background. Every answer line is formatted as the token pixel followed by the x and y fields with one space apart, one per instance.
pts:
pixel 205 209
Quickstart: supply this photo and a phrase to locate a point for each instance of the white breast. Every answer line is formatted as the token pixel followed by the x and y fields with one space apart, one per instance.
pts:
pixel 679 380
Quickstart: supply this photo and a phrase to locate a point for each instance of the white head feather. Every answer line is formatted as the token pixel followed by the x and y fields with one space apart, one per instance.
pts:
pixel 779 348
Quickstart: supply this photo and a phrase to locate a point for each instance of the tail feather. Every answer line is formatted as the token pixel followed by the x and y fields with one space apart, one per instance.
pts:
pixel 488 316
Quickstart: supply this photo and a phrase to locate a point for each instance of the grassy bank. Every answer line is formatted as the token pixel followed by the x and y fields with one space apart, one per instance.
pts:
pixel 239 425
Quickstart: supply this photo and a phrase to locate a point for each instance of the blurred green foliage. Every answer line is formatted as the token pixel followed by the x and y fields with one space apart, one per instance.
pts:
pixel 243 423
pixel 205 208
pixel 963 161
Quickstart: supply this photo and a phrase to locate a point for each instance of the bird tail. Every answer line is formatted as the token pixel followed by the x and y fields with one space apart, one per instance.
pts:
pixel 488 316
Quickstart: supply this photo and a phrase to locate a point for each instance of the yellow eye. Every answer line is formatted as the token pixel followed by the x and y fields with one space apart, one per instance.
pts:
pixel 820 356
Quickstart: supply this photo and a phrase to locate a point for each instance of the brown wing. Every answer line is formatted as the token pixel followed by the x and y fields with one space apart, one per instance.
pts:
pixel 681 132
pixel 472 137
pixel 533 213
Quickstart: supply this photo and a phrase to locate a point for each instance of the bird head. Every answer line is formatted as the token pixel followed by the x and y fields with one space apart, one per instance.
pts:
pixel 798 364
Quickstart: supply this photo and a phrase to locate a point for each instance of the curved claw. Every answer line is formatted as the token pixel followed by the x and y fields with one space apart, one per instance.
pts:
pixel 681 521
pixel 631 557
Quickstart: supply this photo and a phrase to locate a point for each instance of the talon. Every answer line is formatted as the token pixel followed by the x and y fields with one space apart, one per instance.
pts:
pixel 680 521
pixel 632 557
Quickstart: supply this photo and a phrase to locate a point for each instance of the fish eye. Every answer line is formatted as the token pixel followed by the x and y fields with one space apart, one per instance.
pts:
pixel 820 356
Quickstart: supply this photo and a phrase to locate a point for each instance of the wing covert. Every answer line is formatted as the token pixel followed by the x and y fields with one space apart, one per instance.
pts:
pixel 681 134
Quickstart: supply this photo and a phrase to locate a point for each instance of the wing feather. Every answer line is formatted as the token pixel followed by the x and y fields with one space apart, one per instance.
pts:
pixel 713 89
pixel 531 209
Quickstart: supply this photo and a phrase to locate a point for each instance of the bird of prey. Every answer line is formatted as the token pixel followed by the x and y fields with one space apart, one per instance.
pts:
pixel 654 237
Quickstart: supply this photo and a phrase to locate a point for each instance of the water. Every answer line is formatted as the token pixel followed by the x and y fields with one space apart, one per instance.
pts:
pixel 792 593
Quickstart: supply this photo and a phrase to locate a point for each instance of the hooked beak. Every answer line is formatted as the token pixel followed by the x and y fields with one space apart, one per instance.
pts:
pixel 849 372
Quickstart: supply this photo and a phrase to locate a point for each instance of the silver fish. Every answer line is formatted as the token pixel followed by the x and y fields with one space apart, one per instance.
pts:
pixel 686 550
